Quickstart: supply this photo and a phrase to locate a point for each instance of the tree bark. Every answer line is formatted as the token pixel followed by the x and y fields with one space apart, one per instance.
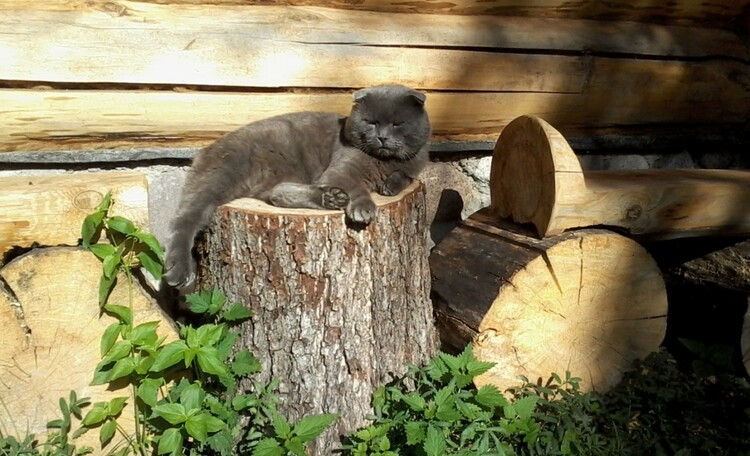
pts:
pixel 339 310
pixel 588 301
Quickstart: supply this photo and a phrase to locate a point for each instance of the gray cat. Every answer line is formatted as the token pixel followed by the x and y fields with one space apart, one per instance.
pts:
pixel 305 160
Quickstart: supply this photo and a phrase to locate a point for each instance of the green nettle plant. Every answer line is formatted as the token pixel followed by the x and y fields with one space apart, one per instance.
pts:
pixel 436 410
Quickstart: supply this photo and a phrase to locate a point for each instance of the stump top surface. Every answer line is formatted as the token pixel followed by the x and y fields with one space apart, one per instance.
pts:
pixel 256 205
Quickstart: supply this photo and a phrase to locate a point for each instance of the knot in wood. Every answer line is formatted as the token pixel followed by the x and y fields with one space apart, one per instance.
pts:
pixel 633 212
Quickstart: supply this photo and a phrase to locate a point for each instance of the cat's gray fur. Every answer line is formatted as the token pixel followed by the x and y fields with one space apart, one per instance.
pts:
pixel 305 160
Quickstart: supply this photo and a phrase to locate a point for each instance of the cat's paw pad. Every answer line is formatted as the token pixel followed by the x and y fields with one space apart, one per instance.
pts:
pixel 361 211
pixel 334 198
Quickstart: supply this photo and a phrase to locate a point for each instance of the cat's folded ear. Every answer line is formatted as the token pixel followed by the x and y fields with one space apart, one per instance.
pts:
pixel 418 97
pixel 360 94
pixel 398 90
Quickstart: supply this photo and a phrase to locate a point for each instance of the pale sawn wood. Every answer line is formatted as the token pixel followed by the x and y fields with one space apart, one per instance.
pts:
pixel 49 210
pixel 588 302
pixel 55 327
pixel 63 120
pixel 536 178
pixel 723 13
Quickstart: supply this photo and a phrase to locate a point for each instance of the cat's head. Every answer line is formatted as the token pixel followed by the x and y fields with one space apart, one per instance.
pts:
pixel 388 122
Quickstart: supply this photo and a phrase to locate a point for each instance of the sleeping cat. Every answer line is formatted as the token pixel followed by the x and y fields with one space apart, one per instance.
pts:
pixel 305 160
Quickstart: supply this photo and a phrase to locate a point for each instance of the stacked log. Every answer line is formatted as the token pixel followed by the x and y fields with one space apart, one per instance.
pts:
pixel 621 69
pixel 545 281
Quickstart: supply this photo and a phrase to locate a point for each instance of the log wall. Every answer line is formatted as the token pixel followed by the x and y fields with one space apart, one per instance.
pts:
pixel 101 74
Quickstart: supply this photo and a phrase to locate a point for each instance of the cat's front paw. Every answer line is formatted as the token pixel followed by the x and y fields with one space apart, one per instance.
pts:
pixel 334 198
pixel 395 184
pixel 361 211
pixel 181 275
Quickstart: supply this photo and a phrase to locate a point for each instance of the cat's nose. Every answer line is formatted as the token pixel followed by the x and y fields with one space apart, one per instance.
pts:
pixel 382 140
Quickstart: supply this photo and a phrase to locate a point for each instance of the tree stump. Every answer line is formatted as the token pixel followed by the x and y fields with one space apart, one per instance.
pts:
pixel 339 310
pixel 49 312
pixel 588 302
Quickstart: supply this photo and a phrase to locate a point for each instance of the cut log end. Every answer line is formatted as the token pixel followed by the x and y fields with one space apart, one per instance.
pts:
pixel 587 302
pixel 54 325
pixel 532 165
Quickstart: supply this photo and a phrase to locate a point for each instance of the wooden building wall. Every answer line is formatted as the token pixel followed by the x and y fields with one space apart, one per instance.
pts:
pixel 99 74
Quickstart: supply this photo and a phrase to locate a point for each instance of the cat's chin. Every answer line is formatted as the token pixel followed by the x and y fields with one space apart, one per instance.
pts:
pixel 384 153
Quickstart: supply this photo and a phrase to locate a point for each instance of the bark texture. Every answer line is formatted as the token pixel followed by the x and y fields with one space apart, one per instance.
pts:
pixel 339 310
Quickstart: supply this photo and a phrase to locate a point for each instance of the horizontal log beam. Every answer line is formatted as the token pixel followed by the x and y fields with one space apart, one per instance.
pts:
pixel 619 93
pixel 270 46
pixel 722 13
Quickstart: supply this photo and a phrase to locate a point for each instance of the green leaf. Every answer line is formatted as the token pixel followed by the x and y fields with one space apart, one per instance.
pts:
pixel 196 428
pixel 208 335
pixel 434 444
pixel 122 368
pixel 192 397
pixel 153 265
pixel 105 204
pixel 202 424
pixel 148 390
pixel 415 432
pixel 152 243
pixel 122 313
pixel 110 264
pixel 415 401
pixel 281 426
pixel 118 351
pixel 172 413
pixel 116 405
pixel 209 362
pixel 445 396
pixel 96 415
pixel 295 446
pixel 226 343
pixel 91 229
pixel 244 401
pixel 102 251
pixel 197 302
pixel 170 442
pixel 490 397
pixel 169 355
pixel 207 301
pixel 144 334
pixel 109 337
pixel 310 427
pixel 245 364
pixel 452 362
pixel 55 424
pixel 448 413
pixel 107 431
pixel 525 406
pixel 121 225
pixel 476 367
pixel 106 284
pixel 237 312
pixel 268 447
